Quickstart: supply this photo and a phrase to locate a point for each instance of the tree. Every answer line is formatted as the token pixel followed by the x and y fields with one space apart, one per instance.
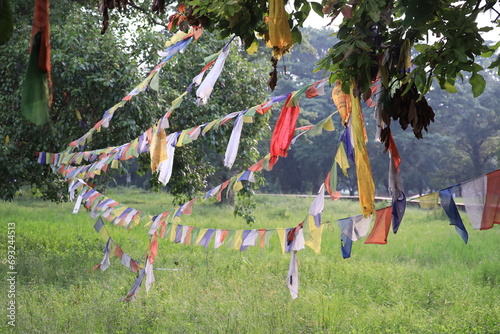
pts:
pixel 376 37
pixel 92 72
pixel 84 83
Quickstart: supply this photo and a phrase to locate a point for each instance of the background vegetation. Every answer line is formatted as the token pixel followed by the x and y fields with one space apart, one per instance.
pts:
pixel 425 280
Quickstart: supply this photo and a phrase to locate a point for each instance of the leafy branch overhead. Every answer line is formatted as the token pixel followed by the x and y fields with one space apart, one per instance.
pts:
pixel 408 44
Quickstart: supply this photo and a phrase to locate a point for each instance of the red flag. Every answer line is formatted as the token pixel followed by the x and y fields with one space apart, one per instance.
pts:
pixel 491 213
pixel 283 131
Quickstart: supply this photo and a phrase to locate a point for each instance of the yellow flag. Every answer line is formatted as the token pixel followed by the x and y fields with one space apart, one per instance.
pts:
pixel 312 234
pixel 281 234
pixel 280 35
pixel 341 159
pixel 429 201
pixel 201 234
pixel 238 239
pixel 342 102
pixel 158 149
pixel 366 187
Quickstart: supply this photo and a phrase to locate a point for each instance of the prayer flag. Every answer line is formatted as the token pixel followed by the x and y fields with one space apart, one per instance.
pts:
pixel 451 210
pixel 234 141
pixel 381 228
pixel 293 276
pixel 429 201
pixel 491 213
pixel 474 195
pixel 366 187
pixel 283 131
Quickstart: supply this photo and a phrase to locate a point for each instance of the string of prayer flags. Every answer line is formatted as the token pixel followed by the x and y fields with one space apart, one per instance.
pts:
pixel 283 131
pixel 205 89
pixel 449 206
pixel 292 281
pixel 381 228
pixel 112 249
pixel 108 114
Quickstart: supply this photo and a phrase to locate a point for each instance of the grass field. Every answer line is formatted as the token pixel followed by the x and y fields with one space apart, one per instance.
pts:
pixel 425 280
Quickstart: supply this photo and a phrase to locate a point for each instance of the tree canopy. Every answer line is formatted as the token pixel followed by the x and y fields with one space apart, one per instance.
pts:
pixel 91 72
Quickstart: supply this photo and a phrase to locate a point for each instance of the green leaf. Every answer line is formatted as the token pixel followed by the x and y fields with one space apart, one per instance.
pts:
pixel 492 50
pixel 421 47
pixel 478 84
pixel 253 47
pixel 318 8
pixel 450 88
pixel 296 35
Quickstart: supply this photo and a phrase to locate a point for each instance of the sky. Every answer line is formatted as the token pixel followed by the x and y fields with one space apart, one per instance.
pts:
pixel 316 21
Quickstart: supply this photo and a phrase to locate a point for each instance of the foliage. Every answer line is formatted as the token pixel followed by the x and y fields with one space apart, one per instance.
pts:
pixel 84 83
pixel 375 38
pixel 92 72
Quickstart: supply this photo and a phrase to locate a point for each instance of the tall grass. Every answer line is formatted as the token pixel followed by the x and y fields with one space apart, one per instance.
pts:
pixel 425 280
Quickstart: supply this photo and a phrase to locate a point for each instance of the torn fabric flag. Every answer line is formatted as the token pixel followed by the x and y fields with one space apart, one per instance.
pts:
pixel 346 139
pixel 205 89
pixel 355 227
pixel 449 206
pixel 342 101
pixel 105 263
pixel 131 295
pixel 150 277
pixel 345 246
pixel 165 167
pixel 331 184
pixel 366 186
pixel 352 229
pixel 317 88
pixel 312 234
pixel 234 141
pixel 318 205
pixel 292 281
pixel 474 194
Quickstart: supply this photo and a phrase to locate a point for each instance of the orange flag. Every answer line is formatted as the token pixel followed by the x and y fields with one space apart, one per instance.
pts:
pixel 381 228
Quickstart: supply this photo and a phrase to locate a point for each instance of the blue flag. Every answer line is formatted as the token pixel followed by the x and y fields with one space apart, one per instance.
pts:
pixel 451 210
